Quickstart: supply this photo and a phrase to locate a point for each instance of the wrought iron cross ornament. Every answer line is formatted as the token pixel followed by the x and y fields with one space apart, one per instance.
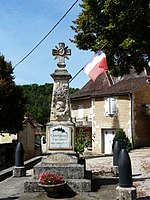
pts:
pixel 61 52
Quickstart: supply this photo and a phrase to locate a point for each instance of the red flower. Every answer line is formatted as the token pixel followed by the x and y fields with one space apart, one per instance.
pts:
pixel 47 178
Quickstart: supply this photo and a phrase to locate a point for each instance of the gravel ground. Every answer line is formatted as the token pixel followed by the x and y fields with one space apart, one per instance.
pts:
pixel 103 182
pixel 140 161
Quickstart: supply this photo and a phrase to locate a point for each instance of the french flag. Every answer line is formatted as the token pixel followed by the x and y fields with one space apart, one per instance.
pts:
pixel 97 65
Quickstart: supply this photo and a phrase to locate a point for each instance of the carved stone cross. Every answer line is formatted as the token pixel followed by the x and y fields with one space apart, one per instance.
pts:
pixel 61 53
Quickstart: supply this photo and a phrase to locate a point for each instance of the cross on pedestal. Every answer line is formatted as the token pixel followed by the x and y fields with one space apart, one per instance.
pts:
pixel 61 52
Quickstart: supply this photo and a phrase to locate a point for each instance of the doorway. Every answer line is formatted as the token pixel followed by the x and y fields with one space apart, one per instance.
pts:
pixel 108 140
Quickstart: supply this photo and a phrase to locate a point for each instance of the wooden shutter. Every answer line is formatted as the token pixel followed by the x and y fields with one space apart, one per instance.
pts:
pixel 107 107
pixel 110 106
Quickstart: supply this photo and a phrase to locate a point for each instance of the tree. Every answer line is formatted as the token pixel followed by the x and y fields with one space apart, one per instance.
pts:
pixel 120 27
pixel 39 101
pixel 12 102
pixel 122 139
pixel 82 142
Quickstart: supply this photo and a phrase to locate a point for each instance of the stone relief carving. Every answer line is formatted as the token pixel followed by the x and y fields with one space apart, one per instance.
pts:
pixel 60 104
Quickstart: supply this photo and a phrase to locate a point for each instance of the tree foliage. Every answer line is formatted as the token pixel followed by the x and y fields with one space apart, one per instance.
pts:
pixel 39 101
pixel 122 139
pixel 120 27
pixel 82 142
pixel 12 101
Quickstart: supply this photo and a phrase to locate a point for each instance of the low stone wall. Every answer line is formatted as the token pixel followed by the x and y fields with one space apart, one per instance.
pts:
pixel 28 165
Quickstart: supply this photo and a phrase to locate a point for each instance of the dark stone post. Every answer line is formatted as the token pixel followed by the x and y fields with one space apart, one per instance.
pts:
pixel 19 155
pixel 125 190
pixel 116 151
pixel 125 172
pixel 19 169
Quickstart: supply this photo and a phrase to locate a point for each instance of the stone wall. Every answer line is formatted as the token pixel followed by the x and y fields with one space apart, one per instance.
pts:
pixel 142 122
pixel 102 122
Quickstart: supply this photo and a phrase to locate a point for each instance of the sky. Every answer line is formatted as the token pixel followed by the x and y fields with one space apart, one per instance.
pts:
pixel 24 23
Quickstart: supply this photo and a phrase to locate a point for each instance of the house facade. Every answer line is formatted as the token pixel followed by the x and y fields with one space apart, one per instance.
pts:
pixel 30 137
pixel 107 104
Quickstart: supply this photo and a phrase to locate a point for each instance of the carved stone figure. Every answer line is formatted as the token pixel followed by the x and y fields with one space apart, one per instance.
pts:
pixel 60 101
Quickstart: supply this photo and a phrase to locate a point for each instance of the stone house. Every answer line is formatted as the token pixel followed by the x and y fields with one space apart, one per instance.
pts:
pixel 109 103
pixel 7 150
pixel 30 137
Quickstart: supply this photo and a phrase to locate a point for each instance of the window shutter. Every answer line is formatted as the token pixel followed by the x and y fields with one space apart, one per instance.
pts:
pixel 110 106
pixel 107 106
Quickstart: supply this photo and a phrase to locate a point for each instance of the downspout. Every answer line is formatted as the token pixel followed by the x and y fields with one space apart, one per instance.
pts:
pixel 132 132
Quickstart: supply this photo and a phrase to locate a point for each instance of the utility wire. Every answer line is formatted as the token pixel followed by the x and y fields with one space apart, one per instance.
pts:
pixel 46 34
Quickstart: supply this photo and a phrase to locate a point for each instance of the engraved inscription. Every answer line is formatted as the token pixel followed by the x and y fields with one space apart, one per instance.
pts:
pixel 60 137
pixel 60 158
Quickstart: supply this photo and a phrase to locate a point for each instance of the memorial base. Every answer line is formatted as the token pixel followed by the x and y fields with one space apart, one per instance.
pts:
pixel 73 172
pixel 126 193
pixel 19 171
pixel 115 171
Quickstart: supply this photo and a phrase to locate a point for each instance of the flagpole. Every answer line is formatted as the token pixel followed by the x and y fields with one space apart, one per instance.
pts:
pixel 76 74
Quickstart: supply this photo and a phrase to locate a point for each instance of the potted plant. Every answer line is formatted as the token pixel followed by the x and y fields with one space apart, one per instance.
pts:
pixel 51 183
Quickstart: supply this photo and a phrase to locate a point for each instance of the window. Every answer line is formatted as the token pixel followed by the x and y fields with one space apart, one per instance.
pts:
pixel 146 110
pixel 80 113
pixel 110 106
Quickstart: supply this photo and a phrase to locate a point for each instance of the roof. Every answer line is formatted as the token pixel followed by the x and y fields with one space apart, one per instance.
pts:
pixel 103 87
pixel 92 87
pixel 123 87
pixel 31 120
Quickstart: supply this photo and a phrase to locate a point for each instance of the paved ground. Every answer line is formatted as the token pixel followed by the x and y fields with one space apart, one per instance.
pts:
pixel 103 184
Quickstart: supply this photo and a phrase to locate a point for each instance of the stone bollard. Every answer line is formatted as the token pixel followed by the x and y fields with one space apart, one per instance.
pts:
pixel 125 190
pixel 19 169
pixel 116 151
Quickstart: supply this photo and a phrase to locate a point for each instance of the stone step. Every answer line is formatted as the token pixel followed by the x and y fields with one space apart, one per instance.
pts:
pixel 75 185
pixel 79 185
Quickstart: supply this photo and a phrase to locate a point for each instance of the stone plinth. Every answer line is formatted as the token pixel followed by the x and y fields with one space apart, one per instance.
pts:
pixel 115 171
pixel 71 168
pixel 126 193
pixel 19 171
pixel 67 171
pixel 76 185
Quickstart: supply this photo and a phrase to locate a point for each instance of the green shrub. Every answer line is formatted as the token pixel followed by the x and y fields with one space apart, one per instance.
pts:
pixel 82 142
pixel 123 140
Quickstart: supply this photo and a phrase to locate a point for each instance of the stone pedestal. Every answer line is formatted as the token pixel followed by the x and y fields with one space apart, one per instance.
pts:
pixel 19 171
pixel 66 165
pixel 115 171
pixel 126 193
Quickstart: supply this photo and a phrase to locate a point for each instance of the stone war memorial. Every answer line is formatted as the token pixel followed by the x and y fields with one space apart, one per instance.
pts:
pixel 60 157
